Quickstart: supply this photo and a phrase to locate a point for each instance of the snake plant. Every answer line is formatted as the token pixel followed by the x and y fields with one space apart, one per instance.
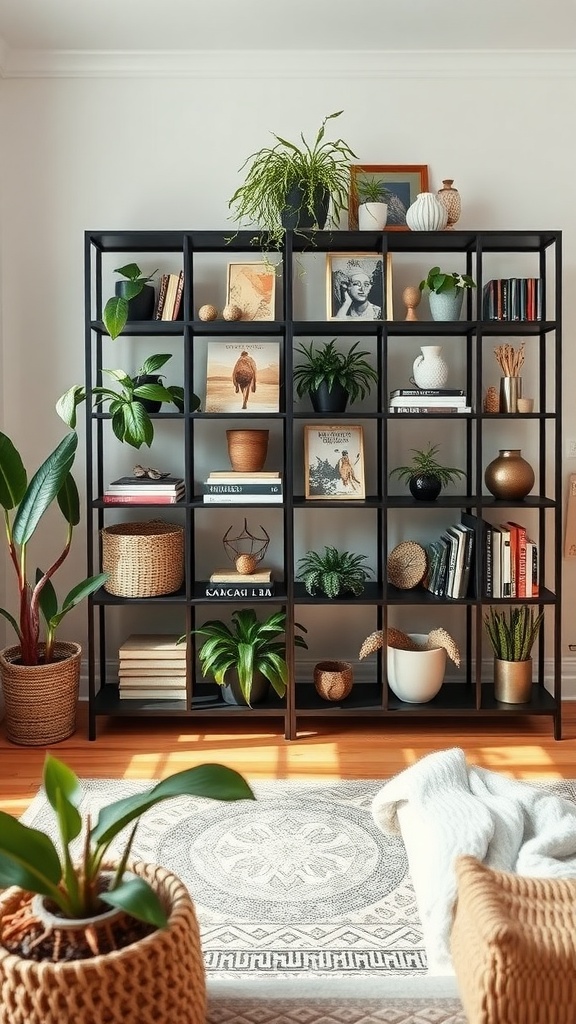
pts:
pixel 513 637
pixel 334 573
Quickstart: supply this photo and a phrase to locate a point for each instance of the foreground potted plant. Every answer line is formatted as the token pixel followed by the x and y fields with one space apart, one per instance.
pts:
pixel 332 378
pixel 134 298
pixel 334 573
pixel 446 291
pixel 293 185
pixel 248 656
pixel 425 475
pixel 40 677
pixel 131 406
pixel 100 941
pixel 512 638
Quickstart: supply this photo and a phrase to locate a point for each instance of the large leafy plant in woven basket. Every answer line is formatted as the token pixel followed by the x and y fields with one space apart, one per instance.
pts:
pixel 101 940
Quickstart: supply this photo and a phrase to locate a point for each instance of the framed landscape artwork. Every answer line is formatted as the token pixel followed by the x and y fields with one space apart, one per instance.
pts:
pixel 243 376
pixel 334 462
pixel 252 286
pixel 400 184
pixel 355 286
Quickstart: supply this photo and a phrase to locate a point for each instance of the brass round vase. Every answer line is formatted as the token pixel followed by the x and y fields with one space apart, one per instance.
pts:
pixel 509 477
pixel 512 681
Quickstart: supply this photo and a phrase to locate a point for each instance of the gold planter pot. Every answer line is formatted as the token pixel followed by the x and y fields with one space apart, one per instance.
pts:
pixel 513 681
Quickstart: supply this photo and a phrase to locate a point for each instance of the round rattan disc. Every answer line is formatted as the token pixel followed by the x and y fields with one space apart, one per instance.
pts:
pixel 406 565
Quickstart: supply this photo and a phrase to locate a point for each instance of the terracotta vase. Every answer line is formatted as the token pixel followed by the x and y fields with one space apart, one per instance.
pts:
pixel 509 477
pixel 450 199
pixel 247 449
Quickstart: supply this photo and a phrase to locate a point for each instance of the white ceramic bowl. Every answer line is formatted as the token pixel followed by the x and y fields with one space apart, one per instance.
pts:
pixel 416 676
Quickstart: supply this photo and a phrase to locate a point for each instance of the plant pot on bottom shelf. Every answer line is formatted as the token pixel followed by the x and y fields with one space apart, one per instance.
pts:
pixel 159 977
pixel 512 681
pixel 40 700
pixel 232 691
pixel 333 679
pixel 415 677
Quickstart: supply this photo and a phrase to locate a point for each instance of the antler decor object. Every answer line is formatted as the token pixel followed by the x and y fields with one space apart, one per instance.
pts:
pixel 396 638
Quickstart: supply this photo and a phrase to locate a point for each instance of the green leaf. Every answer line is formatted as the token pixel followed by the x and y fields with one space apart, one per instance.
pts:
pixel 139 900
pixel 208 780
pixel 69 501
pixel 13 480
pixel 130 270
pixel 12 622
pixel 43 488
pixel 28 858
pixel 115 315
pixel 47 600
pixel 68 403
pixel 154 363
pixel 77 594
pixel 64 794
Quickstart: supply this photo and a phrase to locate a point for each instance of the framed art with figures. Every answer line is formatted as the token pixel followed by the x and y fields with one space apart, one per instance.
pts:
pixel 400 184
pixel 358 286
pixel 334 462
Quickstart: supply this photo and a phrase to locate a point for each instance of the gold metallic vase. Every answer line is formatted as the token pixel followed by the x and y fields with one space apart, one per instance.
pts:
pixel 512 681
pixel 509 477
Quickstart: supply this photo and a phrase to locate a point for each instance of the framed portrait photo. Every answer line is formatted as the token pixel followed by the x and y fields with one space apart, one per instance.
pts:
pixel 334 462
pixel 400 184
pixel 358 286
pixel 252 287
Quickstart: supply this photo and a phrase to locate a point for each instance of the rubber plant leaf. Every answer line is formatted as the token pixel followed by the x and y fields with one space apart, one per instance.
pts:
pixel 209 780
pixel 69 501
pixel 43 488
pixel 77 594
pixel 13 479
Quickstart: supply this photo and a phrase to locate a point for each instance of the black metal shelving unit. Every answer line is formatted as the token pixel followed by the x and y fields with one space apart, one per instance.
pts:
pixel 474 696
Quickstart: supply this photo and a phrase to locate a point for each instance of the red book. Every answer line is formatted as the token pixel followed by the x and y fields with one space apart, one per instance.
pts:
pixel 520 559
pixel 142 499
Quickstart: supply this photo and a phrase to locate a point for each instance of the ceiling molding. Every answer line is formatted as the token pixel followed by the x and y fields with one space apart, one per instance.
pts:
pixel 259 64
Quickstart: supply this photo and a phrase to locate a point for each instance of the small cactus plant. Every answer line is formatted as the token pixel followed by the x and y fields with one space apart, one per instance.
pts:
pixel 512 638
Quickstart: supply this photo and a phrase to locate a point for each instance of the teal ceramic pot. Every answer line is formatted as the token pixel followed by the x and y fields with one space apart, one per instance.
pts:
pixel 446 305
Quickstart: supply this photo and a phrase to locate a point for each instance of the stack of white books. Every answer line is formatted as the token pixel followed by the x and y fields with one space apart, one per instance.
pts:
pixel 152 666
pixel 234 488
pixel 431 400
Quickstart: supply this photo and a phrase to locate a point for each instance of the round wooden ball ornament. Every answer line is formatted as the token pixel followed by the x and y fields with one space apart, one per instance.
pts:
pixel 406 565
pixel 246 564
pixel 208 312
pixel 232 312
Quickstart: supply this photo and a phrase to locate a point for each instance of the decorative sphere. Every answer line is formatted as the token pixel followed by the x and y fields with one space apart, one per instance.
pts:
pixel 208 312
pixel 232 312
pixel 246 564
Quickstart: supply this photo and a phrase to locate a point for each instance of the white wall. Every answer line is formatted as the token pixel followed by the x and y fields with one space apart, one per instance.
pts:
pixel 164 152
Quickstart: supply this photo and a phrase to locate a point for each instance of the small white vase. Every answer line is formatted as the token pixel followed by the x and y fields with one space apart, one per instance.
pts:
pixel 430 369
pixel 372 216
pixel 426 213
pixel 446 305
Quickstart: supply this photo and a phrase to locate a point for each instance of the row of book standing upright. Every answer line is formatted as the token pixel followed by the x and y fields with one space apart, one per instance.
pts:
pixel 509 559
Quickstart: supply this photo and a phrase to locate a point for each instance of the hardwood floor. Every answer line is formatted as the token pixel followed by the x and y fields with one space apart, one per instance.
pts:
pixel 353 749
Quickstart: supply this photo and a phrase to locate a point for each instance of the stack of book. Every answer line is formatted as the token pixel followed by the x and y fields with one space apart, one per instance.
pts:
pixel 438 400
pixel 227 584
pixel 513 298
pixel 152 666
pixel 169 296
pixel 228 487
pixel 141 490
pixel 511 561
pixel 450 562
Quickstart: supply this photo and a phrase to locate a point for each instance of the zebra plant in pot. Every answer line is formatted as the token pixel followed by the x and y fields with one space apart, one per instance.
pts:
pixel 512 638
pixel 40 676
pixel 88 935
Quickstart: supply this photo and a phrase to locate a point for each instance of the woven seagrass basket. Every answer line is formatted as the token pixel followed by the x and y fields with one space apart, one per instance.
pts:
pixel 158 980
pixel 143 559
pixel 41 700
pixel 333 679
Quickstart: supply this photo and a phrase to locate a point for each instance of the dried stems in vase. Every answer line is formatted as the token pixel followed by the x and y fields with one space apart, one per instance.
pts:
pixel 510 359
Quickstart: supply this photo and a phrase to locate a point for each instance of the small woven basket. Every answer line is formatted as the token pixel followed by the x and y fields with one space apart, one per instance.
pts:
pixel 333 679
pixel 41 700
pixel 143 559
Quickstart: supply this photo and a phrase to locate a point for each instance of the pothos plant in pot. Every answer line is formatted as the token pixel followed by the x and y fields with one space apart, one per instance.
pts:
pixel 130 407
pixel 333 378
pixel 294 185
pixel 40 676
pixel 134 295
pixel 425 475
pixel 87 935
pixel 446 292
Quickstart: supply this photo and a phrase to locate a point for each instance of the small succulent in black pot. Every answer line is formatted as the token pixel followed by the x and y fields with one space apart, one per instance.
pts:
pixel 425 475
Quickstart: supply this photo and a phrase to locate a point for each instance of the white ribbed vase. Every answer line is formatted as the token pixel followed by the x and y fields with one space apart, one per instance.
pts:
pixel 426 213
pixel 430 369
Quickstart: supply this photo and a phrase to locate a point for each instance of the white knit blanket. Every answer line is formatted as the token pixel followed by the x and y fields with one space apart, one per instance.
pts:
pixel 444 808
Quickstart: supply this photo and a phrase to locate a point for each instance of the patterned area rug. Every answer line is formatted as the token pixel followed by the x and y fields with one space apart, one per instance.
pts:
pixel 335 1011
pixel 298 882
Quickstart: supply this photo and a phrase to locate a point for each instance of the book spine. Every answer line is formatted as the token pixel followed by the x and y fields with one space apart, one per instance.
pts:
pixel 431 392
pixel 141 499
pixel 178 298
pixel 161 297
pixel 251 488
pixel 251 592
pixel 439 409
pixel 242 499
pixel 488 563
pixel 535 571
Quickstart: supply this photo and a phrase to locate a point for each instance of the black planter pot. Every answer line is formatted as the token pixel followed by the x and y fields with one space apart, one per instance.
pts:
pixel 425 487
pixel 329 400
pixel 141 307
pixel 232 694
pixel 148 403
pixel 296 213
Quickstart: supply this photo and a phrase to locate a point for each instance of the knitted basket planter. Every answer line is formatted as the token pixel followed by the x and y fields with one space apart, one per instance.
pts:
pixel 159 978
pixel 41 700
